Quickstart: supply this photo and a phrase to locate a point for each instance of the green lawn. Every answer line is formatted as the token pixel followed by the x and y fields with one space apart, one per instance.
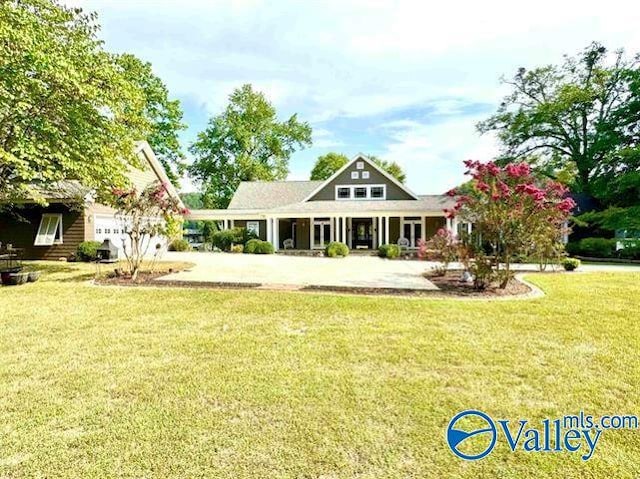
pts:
pixel 146 382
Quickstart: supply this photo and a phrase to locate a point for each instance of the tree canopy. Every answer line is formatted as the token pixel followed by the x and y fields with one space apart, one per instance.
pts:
pixel 579 119
pixel 327 165
pixel 69 110
pixel 245 143
pixel 163 114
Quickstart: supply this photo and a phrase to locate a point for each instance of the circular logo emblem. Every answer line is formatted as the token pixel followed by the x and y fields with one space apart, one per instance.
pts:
pixel 471 435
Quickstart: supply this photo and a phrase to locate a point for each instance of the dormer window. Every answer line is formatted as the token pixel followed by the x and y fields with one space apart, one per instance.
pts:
pixel 355 175
pixel 360 165
pixel 344 193
pixel 365 175
pixel 360 192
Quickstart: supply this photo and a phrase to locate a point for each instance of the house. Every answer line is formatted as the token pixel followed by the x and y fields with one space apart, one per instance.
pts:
pixel 360 205
pixel 54 231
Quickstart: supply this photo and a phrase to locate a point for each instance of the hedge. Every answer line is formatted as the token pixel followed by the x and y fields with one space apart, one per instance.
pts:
pixel 335 249
pixel 88 250
pixel 390 251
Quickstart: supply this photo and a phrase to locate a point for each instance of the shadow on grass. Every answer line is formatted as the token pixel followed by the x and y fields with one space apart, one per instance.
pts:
pixel 62 272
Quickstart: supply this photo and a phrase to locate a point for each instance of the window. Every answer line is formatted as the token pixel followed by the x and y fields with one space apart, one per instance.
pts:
pixel 344 193
pixel 254 227
pixel 355 175
pixel 360 192
pixel 50 230
pixel 360 165
pixel 365 175
pixel 377 192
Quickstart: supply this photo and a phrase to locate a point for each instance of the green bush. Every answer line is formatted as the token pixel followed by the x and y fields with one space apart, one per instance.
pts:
pixel 390 251
pixel 179 245
pixel 88 250
pixel 570 264
pixel 237 248
pixel 335 249
pixel 264 247
pixel 630 252
pixel 593 247
pixel 251 246
pixel 224 239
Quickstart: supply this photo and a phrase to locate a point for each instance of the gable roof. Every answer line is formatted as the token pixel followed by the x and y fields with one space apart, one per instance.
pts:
pixel 373 164
pixel 143 148
pixel 271 194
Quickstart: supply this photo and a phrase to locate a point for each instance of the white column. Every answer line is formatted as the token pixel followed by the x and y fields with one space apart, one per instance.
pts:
pixel 232 224
pixel 449 227
pixel 310 233
pixel 276 233
pixel 331 229
pixel 269 230
pixel 454 227
pixel 225 224
pixel 386 230
pixel 469 227
pixel 344 229
pixel 423 227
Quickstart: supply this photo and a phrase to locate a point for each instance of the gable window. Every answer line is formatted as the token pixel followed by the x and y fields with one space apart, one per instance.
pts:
pixel 377 192
pixel 344 192
pixel 365 175
pixel 355 175
pixel 360 192
pixel 360 165
pixel 50 230
pixel 254 227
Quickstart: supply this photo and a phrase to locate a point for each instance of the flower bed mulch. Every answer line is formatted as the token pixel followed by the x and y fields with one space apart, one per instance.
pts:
pixel 450 285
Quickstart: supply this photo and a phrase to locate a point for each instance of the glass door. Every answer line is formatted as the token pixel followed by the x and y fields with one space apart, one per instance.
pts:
pixel 321 234
pixel 413 232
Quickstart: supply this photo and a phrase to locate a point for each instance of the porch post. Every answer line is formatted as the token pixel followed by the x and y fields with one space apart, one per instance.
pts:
pixel 332 229
pixel 449 228
pixel 269 230
pixel 470 227
pixel 454 227
pixel 232 222
pixel 311 233
pixel 386 230
pixel 349 232
pixel 225 224
pixel 423 227
pixel 344 229
pixel 276 233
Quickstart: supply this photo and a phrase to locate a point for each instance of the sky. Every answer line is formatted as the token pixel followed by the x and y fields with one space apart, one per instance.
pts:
pixel 406 81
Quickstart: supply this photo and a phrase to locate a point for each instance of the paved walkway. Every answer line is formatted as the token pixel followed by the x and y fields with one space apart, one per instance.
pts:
pixel 301 271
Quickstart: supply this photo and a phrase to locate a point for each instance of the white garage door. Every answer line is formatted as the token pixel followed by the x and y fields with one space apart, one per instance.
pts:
pixel 108 227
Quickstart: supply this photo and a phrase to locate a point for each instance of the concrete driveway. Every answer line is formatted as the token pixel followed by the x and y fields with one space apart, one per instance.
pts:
pixel 299 271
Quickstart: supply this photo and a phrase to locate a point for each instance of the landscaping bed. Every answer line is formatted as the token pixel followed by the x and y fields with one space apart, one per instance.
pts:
pixel 451 285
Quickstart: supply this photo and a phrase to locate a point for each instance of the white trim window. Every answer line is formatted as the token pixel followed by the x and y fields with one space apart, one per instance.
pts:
pixel 365 175
pixel 360 165
pixel 361 192
pixel 355 175
pixel 50 230
pixel 254 226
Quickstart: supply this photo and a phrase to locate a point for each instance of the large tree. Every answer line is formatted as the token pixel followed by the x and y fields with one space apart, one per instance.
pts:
pixel 245 143
pixel 67 111
pixel 581 117
pixel 327 165
pixel 164 115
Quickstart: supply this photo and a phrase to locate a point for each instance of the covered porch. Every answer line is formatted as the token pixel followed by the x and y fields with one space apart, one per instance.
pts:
pixel 362 232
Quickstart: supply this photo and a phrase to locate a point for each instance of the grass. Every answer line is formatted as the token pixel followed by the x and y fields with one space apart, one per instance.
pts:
pixel 156 383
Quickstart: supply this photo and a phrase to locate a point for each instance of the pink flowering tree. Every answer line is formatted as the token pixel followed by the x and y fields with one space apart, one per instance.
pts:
pixel 144 215
pixel 512 212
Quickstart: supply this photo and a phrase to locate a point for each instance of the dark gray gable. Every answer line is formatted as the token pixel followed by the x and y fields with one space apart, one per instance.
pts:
pixel 394 191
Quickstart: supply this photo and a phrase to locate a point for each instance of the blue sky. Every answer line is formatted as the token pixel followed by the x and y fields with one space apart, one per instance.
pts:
pixel 406 81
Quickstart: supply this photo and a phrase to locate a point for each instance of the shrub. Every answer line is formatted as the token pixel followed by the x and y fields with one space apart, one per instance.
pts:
pixel 570 264
pixel 630 252
pixel 264 247
pixel 389 251
pixel 224 239
pixel 251 246
pixel 335 249
pixel 88 250
pixel 237 248
pixel 593 247
pixel 179 245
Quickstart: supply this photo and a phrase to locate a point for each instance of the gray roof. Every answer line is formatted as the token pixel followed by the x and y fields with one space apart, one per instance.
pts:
pixel 432 203
pixel 271 194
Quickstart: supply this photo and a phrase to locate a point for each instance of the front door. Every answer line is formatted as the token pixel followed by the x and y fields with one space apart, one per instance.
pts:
pixel 362 233
pixel 321 233
pixel 413 232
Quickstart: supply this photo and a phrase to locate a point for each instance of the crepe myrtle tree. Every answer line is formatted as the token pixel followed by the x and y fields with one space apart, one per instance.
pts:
pixel 144 214
pixel 513 213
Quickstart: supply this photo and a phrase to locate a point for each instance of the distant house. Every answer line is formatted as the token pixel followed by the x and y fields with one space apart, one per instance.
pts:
pixel 360 205
pixel 54 231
